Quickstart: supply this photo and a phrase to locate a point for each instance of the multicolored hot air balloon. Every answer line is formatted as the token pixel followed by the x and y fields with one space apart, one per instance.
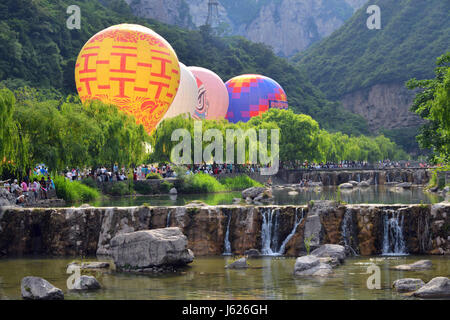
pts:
pixel 132 67
pixel 251 95
pixel 187 96
pixel 212 95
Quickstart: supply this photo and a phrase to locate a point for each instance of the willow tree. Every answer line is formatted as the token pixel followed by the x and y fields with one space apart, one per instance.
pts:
pixel 13 143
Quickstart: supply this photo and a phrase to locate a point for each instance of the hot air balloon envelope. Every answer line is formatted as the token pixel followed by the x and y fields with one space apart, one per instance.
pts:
pixel 132 67
pixel 251 95
pixel 212 95
pixel 187 96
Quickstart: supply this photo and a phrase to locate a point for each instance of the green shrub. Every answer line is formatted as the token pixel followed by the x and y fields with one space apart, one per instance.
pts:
pixel 165 186
pixel 142 187
pixel 74 191
pixel 90 182
pixel 239 183
pixel 154 176
pixel 119 189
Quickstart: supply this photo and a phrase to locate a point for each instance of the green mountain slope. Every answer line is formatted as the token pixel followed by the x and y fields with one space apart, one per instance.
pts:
pixel 413 35
pixel 38 50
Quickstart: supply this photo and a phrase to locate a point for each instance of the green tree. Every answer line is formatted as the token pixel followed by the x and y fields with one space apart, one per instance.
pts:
pixel 433 104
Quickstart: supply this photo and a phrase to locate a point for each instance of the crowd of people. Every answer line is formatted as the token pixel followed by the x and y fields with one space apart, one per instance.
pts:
pixel 39 189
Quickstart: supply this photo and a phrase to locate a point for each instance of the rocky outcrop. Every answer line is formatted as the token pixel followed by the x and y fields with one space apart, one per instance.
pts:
pixel 418 265
pixel 438 287
pixel 87 231
pixel 6 198
pixel 334 251
pixel 321 261
pixel 288 26
pixel 384 106
pixel 408 284
pixel 86 283
pixel 238 264
pixel 35 288
pixel 257 195
pixel 151 248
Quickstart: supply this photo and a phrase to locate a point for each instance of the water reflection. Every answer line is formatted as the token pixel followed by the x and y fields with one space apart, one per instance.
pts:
pixel 207 278
pixel 372 194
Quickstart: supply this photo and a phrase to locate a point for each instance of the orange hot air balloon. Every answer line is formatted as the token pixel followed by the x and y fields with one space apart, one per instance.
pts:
pixel 131 67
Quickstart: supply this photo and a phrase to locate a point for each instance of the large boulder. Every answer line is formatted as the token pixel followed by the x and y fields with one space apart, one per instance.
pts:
pixel 86 283
pixel 405 185
pixel 6 198
pixel 238 264
pixel 346 186
pixel 364 184
pixel 305 262
pixel 252 253
pixel 252 192
pixel 151 248
pixel 311 266
pixel 418 265
pixel 438 287
pixel 408 284
pixel 35 288
pixel 330 250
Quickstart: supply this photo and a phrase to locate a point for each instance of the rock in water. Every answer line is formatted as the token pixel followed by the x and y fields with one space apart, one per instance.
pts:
pixel 346 186
pixel 330 250
pixel 252 192
pixel 173 191
pixel 305 262
pixel 405 185
pixel 438 287
pixel 238 264
pixel 311 266
pixel 252 253
pixel 35 288
pixel 364 184
pixel 86 283
pixel 418 265
pixel 151 248
pixel 408 284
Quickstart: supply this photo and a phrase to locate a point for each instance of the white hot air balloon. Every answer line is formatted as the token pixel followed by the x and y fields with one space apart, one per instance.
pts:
pixel 186 99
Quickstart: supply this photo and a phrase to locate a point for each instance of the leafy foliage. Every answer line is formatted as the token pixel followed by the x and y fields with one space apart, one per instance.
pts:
pixel 74 191
pixel 433 104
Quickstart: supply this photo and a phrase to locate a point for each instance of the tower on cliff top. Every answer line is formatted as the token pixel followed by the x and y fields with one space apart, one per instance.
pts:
pixel 213 14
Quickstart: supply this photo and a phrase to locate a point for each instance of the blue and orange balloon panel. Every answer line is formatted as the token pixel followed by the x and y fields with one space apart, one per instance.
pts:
pixel 251 95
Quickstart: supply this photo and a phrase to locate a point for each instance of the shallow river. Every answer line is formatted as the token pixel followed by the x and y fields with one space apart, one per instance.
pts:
pixel 373 194
pixel 206 278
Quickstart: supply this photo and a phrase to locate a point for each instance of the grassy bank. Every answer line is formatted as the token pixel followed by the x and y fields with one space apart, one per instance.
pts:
pixel 74 191
pixel 205 183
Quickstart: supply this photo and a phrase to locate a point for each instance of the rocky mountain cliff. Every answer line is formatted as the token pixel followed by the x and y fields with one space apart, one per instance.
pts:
pixel 288 26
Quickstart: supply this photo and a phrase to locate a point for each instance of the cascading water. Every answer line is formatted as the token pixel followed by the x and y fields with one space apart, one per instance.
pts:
pixel 227 244
pixel 270 232
pixel 168 220
pixel 359 177
pixel 347 223
pixel 290 235
pixel 393 241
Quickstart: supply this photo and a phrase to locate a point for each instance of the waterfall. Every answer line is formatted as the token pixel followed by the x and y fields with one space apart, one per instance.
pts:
pixel 359 177
pixel 376 179
pixel 393 241
pixel 227 244
pixel 347 224
pixel 168 219
pixel 290 235
pixel 270 232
